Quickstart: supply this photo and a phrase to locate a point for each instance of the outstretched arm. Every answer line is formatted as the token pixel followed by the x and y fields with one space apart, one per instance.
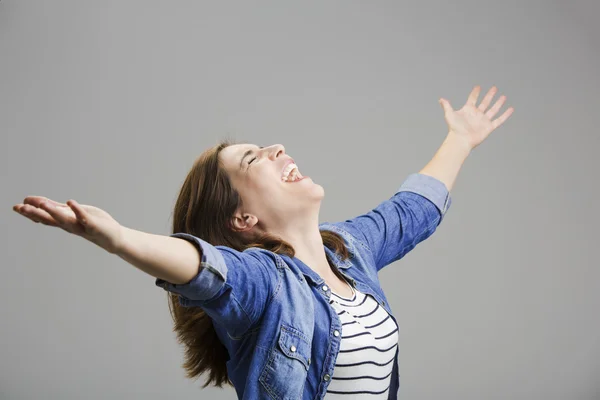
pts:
pixel 467 128
pixel 233 287
pixel 412 214
pixel 164 257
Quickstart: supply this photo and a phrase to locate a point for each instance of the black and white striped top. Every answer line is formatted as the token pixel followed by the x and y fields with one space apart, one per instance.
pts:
pixel 363 367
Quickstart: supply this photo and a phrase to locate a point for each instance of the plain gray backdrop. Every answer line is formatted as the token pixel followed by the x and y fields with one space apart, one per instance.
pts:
pixel 110 102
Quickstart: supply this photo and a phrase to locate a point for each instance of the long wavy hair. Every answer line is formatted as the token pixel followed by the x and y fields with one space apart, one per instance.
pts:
pixel 204 207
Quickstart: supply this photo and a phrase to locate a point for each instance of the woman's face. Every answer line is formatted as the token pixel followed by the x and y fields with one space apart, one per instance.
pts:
pixel 257 173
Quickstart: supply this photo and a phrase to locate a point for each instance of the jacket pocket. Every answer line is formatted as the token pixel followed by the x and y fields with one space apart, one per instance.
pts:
pixel 285 371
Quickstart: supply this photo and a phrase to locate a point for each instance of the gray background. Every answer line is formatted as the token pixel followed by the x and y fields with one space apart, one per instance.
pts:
pixel 109 103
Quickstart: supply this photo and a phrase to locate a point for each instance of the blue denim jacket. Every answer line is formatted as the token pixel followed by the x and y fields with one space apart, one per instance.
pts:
pixel 272 312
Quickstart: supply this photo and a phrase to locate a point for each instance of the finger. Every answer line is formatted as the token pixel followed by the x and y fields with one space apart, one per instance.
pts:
pixel 35 214
pixel 485 103
pixel 500 120
pixel 492 111
pixel 61 218
pixel 25 211
pixel 446 105
pixel 36 200
pixel 472 100
pixel 80 213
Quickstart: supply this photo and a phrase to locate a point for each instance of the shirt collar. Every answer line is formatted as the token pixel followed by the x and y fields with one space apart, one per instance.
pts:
pixel 314 278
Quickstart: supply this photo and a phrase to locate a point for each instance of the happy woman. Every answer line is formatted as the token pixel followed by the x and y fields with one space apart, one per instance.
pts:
pixel 263 296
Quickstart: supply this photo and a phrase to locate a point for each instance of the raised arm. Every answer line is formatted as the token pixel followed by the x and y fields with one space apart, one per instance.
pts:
pixel 467 129
pixel 413 213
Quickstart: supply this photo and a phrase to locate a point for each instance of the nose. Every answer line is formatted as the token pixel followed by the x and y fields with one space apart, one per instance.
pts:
pixel 275 151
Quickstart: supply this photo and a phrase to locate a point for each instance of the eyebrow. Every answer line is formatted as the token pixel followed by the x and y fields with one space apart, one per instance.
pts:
pixel 246 154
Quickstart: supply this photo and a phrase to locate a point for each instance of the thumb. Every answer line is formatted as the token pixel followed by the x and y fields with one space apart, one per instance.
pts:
pixel 445 105
pixel 80 213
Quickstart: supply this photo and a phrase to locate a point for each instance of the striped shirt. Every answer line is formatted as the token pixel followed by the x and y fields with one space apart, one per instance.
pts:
pixel 364 364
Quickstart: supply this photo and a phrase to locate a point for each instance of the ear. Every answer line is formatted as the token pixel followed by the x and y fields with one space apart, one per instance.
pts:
pixel 243 222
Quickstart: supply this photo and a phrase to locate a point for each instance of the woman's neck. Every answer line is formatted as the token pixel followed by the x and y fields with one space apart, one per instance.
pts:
pixel 309 248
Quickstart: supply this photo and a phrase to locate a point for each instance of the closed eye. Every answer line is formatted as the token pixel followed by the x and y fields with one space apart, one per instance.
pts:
pixel 250 162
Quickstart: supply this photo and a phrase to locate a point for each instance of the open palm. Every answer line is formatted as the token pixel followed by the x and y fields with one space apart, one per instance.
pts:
pixel 472 122
pixel 89 222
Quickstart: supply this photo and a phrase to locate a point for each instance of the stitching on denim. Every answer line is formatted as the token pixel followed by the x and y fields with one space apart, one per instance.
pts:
pixel 176 287
pixel 279 264
pixel 430 195
pixel 247 333
pixel 351 239
pixel 262 377
pixel 276 291
pixel 296 332
pixel 290 331
pixel 207 265
pixel 243 309
pixel 280 272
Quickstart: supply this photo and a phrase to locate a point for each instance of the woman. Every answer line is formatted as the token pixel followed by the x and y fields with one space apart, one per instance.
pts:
pixel 263 296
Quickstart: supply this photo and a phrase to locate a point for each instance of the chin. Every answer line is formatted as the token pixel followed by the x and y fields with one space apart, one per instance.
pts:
pixel 322 190
pixel 309 189
pixel 317 189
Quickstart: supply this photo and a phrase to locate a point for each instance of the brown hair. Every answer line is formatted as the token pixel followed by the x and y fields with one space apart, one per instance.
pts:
pixel 204 207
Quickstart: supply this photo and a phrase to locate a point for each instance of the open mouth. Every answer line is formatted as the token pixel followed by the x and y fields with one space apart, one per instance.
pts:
pixel 291 173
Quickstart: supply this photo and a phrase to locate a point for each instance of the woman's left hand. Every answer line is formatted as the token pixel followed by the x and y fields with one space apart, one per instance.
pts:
pixel 472 123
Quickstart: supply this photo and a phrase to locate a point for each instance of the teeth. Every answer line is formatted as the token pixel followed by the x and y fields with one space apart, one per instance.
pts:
pixel 291 176
pixel 291 173
pixel 289 168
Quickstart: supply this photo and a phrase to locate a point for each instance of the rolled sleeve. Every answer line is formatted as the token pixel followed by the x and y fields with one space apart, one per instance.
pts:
pixel 429 187
pixel 232 287
pixel 210 278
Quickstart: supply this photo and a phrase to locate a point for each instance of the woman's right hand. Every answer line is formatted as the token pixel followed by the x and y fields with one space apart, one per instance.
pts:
pixel 89 222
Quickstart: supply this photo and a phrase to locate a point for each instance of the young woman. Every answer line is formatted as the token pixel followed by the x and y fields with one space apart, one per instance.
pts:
pixel 263 296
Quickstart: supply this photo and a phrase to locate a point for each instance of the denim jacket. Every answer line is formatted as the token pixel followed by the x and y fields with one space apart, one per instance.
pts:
pixel 272 312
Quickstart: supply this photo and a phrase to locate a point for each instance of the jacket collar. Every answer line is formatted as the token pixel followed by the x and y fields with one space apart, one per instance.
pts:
pixel 314 278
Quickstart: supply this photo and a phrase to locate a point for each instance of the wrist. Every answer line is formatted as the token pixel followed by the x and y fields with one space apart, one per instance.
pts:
pixel 118 248
pixel 459 142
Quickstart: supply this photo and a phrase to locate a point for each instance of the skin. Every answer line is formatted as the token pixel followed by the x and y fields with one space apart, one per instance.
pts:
pixel 289 210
